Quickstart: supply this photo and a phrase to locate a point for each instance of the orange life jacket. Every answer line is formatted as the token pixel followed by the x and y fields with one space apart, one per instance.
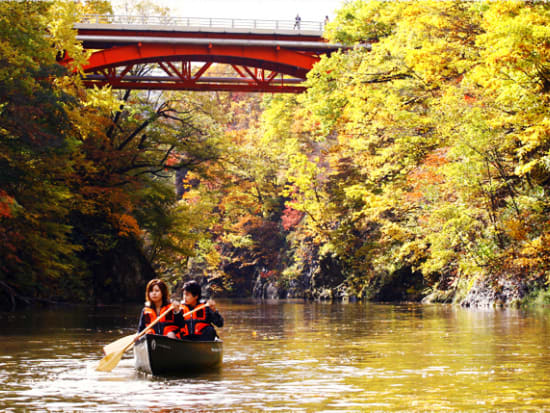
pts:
pixel 166 323
pixel 194 323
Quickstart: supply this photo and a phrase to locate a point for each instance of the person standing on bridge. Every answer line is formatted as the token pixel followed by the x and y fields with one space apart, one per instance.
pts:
pixel 297 22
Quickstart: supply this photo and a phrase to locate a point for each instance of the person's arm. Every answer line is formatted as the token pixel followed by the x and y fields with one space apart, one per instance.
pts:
pixel 178 317
pixel 168 325
pixel 143 321
pixel 214 317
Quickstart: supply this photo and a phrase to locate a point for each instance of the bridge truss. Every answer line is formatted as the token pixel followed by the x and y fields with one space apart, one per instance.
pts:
pixel 157 57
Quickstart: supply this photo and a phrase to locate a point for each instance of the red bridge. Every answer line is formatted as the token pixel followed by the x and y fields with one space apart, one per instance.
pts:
pixel 164 53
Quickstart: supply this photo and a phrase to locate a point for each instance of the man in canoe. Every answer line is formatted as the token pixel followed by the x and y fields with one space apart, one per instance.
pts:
pixel 199 324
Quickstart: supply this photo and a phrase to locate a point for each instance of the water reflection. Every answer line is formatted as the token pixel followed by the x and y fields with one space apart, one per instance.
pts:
pixel 290 355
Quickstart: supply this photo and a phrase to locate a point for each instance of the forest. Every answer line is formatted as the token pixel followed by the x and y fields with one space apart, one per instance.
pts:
pixel 414 167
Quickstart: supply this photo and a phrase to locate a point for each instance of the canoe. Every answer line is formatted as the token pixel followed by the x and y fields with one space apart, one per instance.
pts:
pixel 159 355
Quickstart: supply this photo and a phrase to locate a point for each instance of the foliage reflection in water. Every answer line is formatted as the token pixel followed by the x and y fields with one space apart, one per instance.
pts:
pixel 290 355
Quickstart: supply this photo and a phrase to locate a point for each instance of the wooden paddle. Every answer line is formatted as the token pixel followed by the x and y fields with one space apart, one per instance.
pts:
pixel 117 348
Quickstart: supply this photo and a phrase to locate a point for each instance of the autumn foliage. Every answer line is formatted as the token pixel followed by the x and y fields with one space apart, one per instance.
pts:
pixel 81 171
pixel 426 150
pixel 419 151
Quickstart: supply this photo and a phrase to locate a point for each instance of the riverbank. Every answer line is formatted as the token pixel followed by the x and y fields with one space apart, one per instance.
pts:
pixel 409 287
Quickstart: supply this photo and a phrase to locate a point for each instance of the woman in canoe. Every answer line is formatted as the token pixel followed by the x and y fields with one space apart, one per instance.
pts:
pixel 198 325
pixel 156 302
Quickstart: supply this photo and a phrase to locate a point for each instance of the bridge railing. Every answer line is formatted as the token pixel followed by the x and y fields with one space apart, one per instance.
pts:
pixel 206 22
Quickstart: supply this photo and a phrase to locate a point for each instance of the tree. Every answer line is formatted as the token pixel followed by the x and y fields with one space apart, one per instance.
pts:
pixel 416 152
pixel 37 138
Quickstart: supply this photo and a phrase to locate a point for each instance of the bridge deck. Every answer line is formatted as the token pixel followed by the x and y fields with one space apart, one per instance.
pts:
pixel 193 31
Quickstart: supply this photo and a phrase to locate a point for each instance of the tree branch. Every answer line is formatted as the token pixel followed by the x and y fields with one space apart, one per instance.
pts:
pixel 118 115
pixel 135 133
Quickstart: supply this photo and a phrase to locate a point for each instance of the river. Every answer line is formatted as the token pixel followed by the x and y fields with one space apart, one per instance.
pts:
pixel 289 356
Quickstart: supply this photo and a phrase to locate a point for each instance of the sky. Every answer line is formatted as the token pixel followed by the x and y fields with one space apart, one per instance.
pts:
pixel 309 10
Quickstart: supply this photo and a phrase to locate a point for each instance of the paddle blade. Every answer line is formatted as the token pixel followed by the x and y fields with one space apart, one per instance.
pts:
pixel 119 344
pixel 110 361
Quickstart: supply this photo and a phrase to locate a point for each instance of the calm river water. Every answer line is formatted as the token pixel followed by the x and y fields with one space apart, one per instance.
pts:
pixel 289 356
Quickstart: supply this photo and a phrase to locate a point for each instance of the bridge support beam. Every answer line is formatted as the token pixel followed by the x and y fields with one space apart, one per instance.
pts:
pixel 258 69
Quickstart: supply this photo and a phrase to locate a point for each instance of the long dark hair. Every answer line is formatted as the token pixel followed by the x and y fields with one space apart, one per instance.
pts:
pixel 163 289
